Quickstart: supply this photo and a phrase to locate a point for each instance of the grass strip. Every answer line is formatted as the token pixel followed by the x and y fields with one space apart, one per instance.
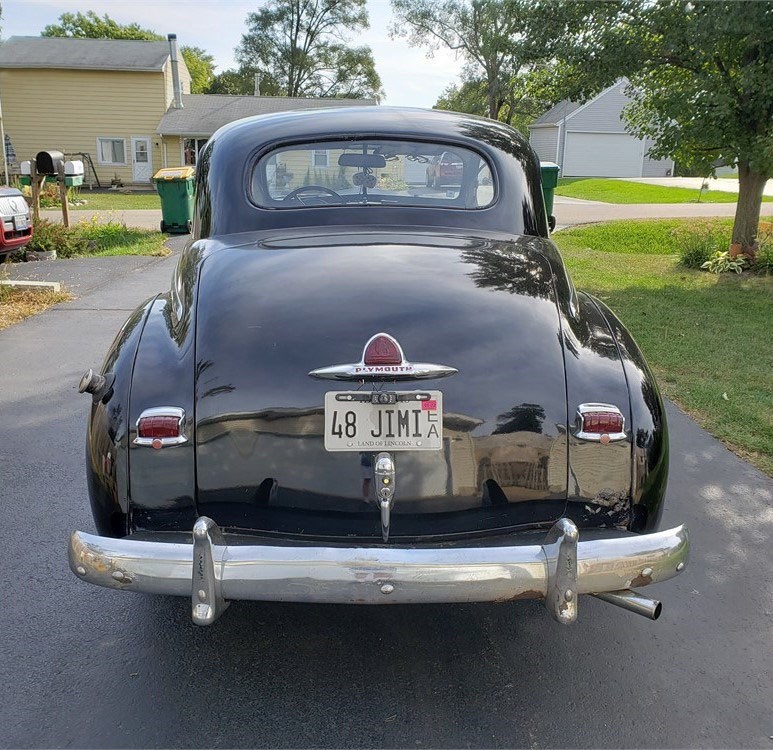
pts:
pixel 621 191
pixel 707 337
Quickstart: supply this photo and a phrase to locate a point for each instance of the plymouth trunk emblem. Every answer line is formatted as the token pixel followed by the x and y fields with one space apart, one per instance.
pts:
pixel 383 359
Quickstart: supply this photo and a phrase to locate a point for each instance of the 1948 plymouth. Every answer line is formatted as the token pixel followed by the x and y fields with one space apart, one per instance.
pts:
pixel 363 388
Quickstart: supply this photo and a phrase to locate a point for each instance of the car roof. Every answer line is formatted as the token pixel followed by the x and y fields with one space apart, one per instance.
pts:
pixel 225 168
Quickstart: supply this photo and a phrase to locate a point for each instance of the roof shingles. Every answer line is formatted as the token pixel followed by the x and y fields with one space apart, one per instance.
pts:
pixel 203 114
pixel 83 54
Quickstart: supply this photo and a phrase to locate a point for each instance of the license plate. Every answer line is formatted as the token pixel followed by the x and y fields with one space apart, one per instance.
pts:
pixel 383 421
pixel 20 222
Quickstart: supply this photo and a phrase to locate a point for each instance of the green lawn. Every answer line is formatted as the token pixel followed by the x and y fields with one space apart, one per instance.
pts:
pixel 115 201
pixel 707 337
pixel 621 191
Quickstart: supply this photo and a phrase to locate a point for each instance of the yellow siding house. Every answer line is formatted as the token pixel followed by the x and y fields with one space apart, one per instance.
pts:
pixel 100 97
pixel 125 104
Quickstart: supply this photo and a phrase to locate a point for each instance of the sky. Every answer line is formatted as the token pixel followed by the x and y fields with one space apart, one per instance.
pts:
pixel 410 78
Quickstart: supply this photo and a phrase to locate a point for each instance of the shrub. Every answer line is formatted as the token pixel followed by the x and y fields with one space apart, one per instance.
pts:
pixel 763 263
pixel 697 243
pixel 722 262
pixel 50 235
pixel 92 236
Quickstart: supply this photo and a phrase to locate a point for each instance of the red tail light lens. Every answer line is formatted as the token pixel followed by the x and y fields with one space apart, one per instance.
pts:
pixel 602 422
pixel 382 350
pixel 159 427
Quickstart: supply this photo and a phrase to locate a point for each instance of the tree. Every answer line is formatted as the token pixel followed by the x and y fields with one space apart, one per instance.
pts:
pixel 201 66
pixel 704 93
pixel 242 81
pixel 301 45
pixel 699 75
pixel 89 25
pixel 521 99
pixel 502 42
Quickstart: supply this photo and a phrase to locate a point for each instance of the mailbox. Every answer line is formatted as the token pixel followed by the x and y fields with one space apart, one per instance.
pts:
pixel 26 173
pixel 73 173
pixel 73 168
pixel 48 162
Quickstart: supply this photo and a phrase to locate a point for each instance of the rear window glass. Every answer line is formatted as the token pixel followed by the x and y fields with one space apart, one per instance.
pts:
pixel 371 172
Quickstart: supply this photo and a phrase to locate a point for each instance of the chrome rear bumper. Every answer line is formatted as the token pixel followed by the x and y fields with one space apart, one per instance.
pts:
pixel 212 573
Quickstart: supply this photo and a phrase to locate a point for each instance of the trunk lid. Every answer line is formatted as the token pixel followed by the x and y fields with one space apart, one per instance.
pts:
pixel 270 312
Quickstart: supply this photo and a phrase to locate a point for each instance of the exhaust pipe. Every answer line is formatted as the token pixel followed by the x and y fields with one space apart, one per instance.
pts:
pixel 633 602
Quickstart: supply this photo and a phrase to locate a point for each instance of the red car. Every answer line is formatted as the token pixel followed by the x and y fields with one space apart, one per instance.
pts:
pixel 15 224
pixel 445 169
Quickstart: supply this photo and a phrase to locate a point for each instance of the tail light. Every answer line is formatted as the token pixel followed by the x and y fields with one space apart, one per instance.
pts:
pixel 382 350
pixel 600 422
pixel 161 426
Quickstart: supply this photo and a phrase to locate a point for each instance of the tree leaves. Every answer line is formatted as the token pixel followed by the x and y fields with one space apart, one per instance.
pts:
pixel 301 45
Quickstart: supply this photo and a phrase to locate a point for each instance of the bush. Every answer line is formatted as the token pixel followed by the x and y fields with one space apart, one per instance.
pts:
pixel 697 243
pixel 50 235
pixel 92 236
pixel 763 263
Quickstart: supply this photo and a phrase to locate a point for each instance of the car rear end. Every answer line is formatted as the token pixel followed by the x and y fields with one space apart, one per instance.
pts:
pixel 15 222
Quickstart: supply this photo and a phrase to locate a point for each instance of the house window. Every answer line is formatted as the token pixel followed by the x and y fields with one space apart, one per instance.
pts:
pixel 192 148
pixel 111 150
pixel 320 158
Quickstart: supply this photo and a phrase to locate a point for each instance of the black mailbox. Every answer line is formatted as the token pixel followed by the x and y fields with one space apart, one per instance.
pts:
pixel 48 162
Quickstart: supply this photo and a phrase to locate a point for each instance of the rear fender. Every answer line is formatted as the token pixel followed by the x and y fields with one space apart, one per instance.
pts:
pixel 162 482
pixel 599 484
pixel 648 428
pixel 107 433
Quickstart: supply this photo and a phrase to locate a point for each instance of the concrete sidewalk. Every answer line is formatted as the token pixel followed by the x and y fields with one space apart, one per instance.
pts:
pixel 722 184
pixel 569 214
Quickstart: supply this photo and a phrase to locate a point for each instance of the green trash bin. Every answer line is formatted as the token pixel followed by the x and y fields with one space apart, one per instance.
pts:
pixel 549 172
pixel 175 188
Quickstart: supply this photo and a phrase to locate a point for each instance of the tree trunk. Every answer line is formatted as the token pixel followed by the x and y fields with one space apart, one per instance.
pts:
pixel 747 211
pixel 493 104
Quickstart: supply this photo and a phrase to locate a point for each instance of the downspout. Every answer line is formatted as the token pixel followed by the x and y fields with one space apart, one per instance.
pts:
pixel 175 60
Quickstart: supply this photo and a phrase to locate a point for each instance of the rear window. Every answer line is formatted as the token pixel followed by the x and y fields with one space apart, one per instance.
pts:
pixel 369 172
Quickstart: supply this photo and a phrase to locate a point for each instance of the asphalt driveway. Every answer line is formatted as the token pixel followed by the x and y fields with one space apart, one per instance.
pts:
pixel 89 667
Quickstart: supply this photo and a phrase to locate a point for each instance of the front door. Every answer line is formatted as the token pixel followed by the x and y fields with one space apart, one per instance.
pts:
pixel 142 166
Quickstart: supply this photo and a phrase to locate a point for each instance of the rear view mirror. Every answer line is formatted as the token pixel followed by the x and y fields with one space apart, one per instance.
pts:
pixel 362 161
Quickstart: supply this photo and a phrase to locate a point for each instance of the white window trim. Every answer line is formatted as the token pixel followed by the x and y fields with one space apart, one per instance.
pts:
pixel 327 158
pixel 111 163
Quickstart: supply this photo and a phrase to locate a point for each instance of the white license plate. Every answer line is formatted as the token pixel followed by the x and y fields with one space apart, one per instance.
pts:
pixel 359 421
pixel 21 223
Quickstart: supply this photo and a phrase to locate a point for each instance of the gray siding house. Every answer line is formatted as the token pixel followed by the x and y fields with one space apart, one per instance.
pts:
pixel 589 140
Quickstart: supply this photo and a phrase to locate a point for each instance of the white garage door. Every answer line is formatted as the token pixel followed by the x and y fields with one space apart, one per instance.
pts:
pixel 602 155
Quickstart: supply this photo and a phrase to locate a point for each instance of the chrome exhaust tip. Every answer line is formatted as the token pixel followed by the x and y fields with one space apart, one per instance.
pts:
pixel 633 601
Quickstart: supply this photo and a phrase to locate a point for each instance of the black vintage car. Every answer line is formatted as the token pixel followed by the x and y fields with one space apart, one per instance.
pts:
pixel 362 388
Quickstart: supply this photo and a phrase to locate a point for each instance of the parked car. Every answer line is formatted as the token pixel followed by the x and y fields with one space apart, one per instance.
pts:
pixel 15 222
pixel 355 392
pixel 445 169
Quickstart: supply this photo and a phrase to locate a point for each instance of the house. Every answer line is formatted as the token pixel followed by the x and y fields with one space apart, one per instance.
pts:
pixel 125 104
pixel 101 97
pixel 184 130
pixel 590 140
